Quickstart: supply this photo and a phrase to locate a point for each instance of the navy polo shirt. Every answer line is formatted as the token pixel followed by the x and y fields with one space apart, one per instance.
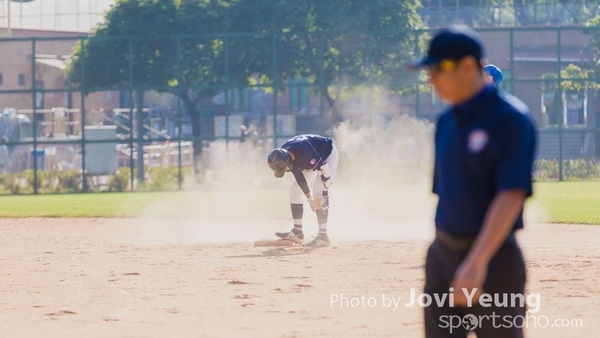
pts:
pixel 483 146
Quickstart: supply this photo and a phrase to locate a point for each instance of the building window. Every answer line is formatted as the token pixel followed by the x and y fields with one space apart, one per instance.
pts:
pixel 550 102
pixel 574 107
pixel 21 79
pixel 1 79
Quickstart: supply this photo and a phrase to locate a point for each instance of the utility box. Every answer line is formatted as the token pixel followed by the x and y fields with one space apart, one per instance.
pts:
pixel 101 158
pixel 38 155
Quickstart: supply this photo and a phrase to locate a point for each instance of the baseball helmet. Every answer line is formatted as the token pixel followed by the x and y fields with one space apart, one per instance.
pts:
pixel 278 160
pixel 494 72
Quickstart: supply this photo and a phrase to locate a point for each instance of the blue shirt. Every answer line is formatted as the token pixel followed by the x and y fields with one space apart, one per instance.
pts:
pixel 483 146
pixel 310 153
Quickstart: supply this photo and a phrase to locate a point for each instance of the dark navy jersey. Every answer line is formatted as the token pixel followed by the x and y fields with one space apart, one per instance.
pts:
pixel 310 153
pixel 483 146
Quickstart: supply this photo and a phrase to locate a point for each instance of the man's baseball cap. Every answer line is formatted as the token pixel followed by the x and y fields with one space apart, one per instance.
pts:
pixel 495 72
pixel 451 44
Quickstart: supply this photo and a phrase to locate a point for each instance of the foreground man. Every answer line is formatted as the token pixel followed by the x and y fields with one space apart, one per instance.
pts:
pixel 484 153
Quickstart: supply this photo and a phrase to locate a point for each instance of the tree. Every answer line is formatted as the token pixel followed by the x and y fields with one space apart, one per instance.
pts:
pixel 196 49
pixel 576 79
pixel 575 87
pixel 593 29
pixel 334 43
pixel 532 12
pixel 147 35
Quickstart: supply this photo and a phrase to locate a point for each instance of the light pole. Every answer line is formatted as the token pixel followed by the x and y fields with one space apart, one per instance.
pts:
pixel 9 29
pixel 8 21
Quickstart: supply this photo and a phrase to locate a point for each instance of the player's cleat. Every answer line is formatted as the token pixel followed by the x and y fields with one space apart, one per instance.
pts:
pixel 296 237
pixel 322 240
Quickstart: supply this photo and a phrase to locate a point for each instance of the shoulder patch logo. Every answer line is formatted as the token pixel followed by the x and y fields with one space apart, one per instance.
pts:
pixel 478 139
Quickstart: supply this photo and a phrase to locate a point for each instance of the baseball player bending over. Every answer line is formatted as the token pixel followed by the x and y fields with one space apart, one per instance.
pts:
pixel 310 158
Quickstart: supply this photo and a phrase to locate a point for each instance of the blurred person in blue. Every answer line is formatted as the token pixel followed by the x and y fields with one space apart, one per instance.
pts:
pixel 493 75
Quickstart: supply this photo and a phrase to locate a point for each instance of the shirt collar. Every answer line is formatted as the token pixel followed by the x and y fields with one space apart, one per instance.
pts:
pixel 470 107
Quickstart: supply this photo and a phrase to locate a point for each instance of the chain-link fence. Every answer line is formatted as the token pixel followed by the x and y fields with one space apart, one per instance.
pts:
pixel 436 13
pixel 168 112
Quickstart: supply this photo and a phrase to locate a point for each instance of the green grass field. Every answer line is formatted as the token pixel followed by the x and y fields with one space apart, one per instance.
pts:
pixel 567 202
pixel 216 204
pixel 554 202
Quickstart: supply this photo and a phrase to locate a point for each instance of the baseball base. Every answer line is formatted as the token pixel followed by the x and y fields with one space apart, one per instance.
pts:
pixel 274 242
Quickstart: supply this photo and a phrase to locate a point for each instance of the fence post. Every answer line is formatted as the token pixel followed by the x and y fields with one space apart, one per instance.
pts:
pixel 35 120
pixel 131 168
pixel 139 127
pixel 275 88
pixel 512 60
pixel 84 184
pixel 321 74
pixel 227 92
pixel 179 169
pixel 418 85
pixel 457 16
pixel 369 92
pixel 560 105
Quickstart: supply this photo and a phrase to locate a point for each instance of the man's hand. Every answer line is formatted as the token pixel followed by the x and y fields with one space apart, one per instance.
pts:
pixel 321 203
pixel 469 276
pixel 499 220
pixel 317 204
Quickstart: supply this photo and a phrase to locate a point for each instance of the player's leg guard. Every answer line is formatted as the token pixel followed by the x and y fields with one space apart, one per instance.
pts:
pixel 322 216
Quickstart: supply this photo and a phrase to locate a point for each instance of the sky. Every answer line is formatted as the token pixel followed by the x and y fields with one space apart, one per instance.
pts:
pixel 68 15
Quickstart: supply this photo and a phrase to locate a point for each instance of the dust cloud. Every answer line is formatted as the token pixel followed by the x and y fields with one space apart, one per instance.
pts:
pixel 382 189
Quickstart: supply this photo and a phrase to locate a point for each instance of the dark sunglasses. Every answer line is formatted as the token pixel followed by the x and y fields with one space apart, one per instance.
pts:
pixel 442 66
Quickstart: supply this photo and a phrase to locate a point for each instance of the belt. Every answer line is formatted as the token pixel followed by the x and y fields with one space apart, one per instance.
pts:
pixel 461 243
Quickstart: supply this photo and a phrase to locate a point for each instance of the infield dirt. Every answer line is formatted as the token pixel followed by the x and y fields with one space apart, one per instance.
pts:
pixel 203 278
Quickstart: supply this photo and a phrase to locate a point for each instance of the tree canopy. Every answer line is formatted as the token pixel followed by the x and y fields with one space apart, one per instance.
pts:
pixel 352 42
pixel 594 33
pixel 197 48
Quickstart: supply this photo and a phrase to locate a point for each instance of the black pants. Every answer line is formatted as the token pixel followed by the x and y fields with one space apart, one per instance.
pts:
pixel 506 277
